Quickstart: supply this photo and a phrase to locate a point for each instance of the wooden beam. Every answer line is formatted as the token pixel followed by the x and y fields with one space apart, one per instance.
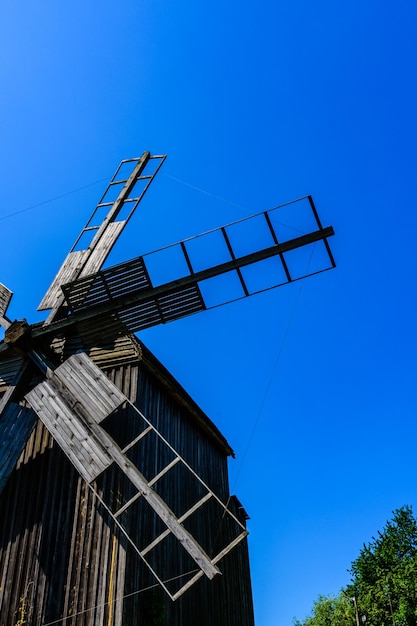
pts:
pixel 119 303
pixel 72 421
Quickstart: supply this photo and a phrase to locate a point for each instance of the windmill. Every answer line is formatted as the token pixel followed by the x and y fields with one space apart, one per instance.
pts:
pixel 173 514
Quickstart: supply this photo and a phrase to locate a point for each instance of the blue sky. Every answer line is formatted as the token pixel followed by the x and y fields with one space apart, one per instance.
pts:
pixel 313 384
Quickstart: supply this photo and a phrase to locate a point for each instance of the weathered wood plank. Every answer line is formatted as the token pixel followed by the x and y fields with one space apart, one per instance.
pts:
pixel 103 247
pixel 69 557
pixel 91 388
pixel 68 271
pixel 72 435
pixel 90 449
pixel 16 424
pixel 5 297
pixel 11 372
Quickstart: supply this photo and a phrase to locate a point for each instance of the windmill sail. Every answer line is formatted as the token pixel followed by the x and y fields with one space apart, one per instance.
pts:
pixel 16 424
pixel 160 512
pixel 115 208
pixel 5 297
pixel 129 296
pixel 74 403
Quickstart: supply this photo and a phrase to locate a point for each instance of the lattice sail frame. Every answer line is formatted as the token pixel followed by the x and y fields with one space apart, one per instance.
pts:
pixel 99 235
pixel 74 403
pixel 116 300
pixel 128 296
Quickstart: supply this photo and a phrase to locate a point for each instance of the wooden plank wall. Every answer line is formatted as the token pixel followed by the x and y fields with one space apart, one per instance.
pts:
pixel 61 558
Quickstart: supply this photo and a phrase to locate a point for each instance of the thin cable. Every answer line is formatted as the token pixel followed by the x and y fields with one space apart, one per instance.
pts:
pixel 118 599
pixel 63 195
pixel 239 206
pixel 258 416
pixel 204 191
pixel 274 368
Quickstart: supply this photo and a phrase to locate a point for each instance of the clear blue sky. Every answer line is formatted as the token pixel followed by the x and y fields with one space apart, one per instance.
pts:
pixel 255 104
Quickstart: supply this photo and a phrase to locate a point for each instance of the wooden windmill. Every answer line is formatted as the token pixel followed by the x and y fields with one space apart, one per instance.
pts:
pixel 112 480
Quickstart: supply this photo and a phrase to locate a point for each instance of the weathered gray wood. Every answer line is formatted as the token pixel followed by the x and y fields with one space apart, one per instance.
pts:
pixel 105 242
pixel 181 519
pixel 106 233
pixel 9 368
pixel 16 424
pixel 5 297
pixel 68 271
pixel 79 382
pixel 137 439
pixel 59 539
pixel 4 402
pixel 88 456
pixel 93 390
pixel 164 471
pixel 159 506
pixel 142 308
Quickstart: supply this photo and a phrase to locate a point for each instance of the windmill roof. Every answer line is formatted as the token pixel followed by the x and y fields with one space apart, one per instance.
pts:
pixel 129 349
pixel 177 391
pixel 124 350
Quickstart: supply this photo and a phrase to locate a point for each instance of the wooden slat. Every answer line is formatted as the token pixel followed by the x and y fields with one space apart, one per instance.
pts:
pixel 8 369
pixel 13 385
pixel 102 248
pixel 5 297
pixel 121 350
pixel 79 382
pixel 88 456
pixel 16 424
pixel 92 389
pixel 156 502
pixel 70 269
pixel 216 559
pixel 181 519
pixel 164 471
pixel 112 282
pixel 109 229
pixel 68 272
pixel 53 536
pixel 137 439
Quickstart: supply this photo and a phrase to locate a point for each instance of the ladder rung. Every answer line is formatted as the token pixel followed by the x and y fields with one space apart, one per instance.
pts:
pixel 127 505
pixel 138 438
pixel 195 507
pixel 91 228
pixel 119 181
pixel 181 519
pixel 104 204
pixel 164 471
pixel 187 585
pixel 151 482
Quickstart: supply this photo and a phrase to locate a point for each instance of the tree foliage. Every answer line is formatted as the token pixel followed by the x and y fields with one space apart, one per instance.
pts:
pixel 384 581
pixel 330 611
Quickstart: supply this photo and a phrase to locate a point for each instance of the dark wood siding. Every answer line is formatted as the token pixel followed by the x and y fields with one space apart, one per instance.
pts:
pixel 62 561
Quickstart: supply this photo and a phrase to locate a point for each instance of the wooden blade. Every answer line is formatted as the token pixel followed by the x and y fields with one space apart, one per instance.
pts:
pixel 16 425
pixel 5 297
pixel 101 232
pixel 12 370
pixel 72 403
pixel 128 296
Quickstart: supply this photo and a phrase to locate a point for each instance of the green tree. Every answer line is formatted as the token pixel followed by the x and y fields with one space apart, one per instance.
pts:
pixel 330 611
pixel 384 581
pixel 385 573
